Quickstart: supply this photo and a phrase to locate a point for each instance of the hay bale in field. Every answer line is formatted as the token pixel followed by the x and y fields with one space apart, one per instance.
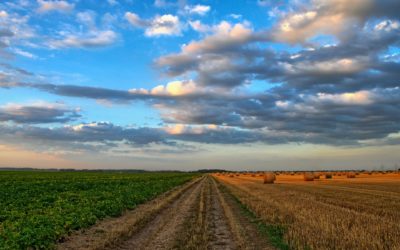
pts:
pixel 231 175
pixel 253 175
pixel 316 175
pixel 269 178
pixel 308 176
pixel 328 176
pixel 351 175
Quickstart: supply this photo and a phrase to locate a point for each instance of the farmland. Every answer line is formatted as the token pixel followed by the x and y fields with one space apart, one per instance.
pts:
pixel 338 213
pixel 37 209
pixel 93 210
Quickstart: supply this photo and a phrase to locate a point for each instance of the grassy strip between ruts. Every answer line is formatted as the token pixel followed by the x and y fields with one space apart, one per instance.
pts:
pixel 274 233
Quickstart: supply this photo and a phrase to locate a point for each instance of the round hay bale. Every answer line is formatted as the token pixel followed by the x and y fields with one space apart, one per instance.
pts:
pixel 231 175
pixel 308 176
pixel 351 175
pixel 316 175
pixel 269 178
pixel 328 176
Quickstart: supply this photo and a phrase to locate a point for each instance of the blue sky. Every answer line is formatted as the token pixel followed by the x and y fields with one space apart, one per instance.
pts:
pixel 198 84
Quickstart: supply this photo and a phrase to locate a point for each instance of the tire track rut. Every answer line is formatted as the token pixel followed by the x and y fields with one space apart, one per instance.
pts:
pixel 200 215
pixel 160 232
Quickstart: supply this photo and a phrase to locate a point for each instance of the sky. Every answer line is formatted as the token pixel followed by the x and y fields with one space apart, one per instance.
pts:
pixel 185 85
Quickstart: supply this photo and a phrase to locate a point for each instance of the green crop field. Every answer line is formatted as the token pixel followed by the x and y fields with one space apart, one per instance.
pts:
pixel 39 208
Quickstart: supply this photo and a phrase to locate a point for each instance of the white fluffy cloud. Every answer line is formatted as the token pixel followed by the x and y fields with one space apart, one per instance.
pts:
pixel 167 25
pixel 330 17
pixel 60 6
pixel 198 9
pixel 387 25
pixel 225 34
pixel 199 27
pixel 3 14
pixel 164 25
pixel 174 88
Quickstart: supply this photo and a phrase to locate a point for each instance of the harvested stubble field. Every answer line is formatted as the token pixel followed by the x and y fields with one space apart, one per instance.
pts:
pixel 47 210
pixel 337 213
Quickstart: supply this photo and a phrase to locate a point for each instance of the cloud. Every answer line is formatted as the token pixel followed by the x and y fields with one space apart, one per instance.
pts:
pixel 24 53
pixel 294 116
pixel 6 33
pixel 40 112
pixel 93 137
pixel 214 58
pixel 165 25
pixel 176 88
pixel 225 37
pixel 87 33
pixel 106 136
pixel 387 25
pixel 136 21
pixel 112 2
pixel 359 97
pixel 332 17
pixel 3 14
pixel 338 86
pixel 15 31
pixel 197 9
pixel 338 119
pixel 59 6
pixel 199 27
pixel 21 36
pixel 93 39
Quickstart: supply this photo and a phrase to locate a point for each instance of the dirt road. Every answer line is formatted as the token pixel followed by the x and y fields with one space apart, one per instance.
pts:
pixel 198 215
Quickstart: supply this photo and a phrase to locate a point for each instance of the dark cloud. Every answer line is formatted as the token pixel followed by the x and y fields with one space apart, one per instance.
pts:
pixel 324 118
pixel 92 134
pixel 104 136
pixel 32 114
pixel 6 33
pixel 99 93
pixel 343 92
pixel 347 65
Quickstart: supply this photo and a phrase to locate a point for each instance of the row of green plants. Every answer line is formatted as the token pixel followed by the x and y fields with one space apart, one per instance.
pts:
pixel 38 209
